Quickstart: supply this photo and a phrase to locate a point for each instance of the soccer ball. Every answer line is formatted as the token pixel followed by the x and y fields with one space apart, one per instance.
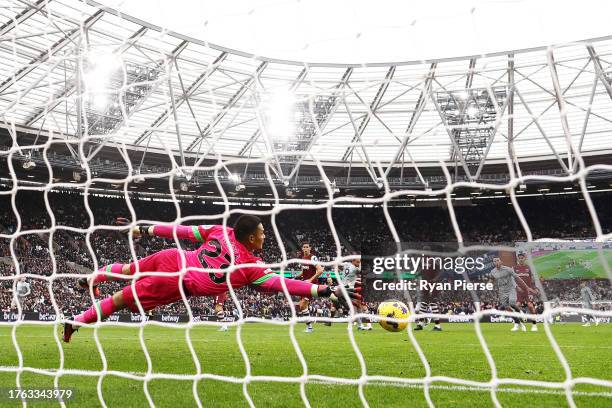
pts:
pixel 394 309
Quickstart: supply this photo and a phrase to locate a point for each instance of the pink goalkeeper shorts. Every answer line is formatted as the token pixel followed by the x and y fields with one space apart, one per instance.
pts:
pixel 154 290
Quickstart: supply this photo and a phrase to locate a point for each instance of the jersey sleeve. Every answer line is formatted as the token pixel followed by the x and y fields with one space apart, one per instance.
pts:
pixel 263 279
pixel 193 233
pixel 518 281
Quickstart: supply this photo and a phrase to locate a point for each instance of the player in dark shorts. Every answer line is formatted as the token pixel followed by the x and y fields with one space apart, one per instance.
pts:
pixel 427 300
pixel 523 297
pixel 220 311
pixel 309 273
pixel 507 281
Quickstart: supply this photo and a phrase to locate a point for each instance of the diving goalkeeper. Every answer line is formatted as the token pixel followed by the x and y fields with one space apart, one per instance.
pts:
pixel 151 291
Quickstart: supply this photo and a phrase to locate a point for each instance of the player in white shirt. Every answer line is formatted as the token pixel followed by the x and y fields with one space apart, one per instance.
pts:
pixel 349 276
pixel 588 297
pixel 22 290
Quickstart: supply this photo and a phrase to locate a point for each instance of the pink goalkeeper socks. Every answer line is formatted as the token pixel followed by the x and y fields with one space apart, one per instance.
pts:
pixel 102 275
pixel 105 308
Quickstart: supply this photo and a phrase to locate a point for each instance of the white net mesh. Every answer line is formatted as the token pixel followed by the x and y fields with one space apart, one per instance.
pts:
pixel 106 117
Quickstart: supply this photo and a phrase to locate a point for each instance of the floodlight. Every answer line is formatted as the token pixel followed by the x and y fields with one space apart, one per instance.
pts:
pixel 99 69
pixel 138 179
pixel 29 164
pixel 97 75
pixel 279 114
pixel 463 95
pixel 99 101
pixel 335 189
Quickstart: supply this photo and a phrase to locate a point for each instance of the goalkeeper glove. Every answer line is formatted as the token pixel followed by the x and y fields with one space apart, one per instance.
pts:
pixel 141 230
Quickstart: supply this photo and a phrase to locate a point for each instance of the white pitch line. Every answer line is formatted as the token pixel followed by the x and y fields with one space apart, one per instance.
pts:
pixel 498 345
pixel 414 386
pixel 480 389
pixel 170 338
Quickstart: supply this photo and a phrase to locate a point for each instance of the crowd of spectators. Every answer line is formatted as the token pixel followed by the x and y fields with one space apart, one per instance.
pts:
pixel 72 236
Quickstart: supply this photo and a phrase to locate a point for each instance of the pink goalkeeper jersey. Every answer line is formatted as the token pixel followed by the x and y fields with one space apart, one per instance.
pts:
pixel 214 253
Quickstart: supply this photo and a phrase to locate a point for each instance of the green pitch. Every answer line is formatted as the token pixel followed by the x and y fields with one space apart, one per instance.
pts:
pixel 456 352
pixel 548 265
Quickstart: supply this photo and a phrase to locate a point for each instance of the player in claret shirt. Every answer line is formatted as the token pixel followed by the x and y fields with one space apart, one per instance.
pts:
pixel 310 273
pixel 154 290
pixel 523 297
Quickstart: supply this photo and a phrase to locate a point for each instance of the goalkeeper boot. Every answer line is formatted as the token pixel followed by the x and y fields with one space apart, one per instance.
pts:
pixel 84 284
pixel 69 330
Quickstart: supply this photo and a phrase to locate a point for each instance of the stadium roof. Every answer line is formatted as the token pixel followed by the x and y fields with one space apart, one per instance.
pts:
pixel 353 31
pixel 201 100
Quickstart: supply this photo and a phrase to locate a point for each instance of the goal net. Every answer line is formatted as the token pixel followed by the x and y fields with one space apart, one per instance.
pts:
pixel 106 116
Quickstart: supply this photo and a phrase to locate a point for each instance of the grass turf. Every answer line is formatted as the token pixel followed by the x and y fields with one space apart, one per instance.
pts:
pixel 456 352
pixel 547 265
